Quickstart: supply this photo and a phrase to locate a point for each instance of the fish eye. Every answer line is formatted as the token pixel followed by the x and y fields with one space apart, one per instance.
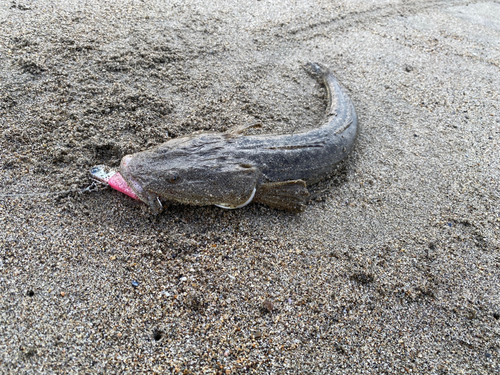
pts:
pixel 174 178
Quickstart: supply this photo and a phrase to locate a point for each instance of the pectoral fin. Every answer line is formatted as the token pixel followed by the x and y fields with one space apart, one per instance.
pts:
pixel 232 207
pixel 286 195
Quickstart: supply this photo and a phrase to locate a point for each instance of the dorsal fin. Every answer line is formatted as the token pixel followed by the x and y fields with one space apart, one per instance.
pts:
pixel 241 129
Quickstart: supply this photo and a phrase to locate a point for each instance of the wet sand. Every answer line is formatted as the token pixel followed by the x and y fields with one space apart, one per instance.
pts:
pixel 392 268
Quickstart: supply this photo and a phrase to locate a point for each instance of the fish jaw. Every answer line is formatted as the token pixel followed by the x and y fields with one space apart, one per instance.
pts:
pixel 152 200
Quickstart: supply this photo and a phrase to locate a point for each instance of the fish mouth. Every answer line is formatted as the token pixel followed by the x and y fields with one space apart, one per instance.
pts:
pixel 149 198
pixel 125 172
pixel 125 161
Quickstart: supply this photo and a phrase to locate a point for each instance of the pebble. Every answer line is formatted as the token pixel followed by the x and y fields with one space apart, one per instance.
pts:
pixel 268 306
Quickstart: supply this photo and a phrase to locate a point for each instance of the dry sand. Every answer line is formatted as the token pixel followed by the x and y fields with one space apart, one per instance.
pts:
pixel 392 268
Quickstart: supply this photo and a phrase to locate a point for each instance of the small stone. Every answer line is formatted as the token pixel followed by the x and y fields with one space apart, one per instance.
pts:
pixel 268 305
pixel 63 294
pixel 408 68
pixel 157 335
pixel 135 284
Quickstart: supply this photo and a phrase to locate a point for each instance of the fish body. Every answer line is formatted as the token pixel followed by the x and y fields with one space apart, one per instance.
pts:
pixel 231 169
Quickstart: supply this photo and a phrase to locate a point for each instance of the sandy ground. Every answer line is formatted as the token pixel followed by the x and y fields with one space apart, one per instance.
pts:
pixel 394 265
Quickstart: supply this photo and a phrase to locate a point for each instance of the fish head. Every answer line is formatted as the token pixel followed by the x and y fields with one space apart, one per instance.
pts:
pixel 198 170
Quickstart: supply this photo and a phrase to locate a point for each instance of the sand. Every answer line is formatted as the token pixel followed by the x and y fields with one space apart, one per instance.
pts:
pixel 392 268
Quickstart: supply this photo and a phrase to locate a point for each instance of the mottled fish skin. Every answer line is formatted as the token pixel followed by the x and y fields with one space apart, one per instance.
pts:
pixel 231 169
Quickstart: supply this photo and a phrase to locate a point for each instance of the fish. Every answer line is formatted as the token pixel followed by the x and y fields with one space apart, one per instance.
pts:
pixel 232 169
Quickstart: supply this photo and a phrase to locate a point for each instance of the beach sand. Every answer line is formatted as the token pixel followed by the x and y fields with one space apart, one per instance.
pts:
pixel 394 265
